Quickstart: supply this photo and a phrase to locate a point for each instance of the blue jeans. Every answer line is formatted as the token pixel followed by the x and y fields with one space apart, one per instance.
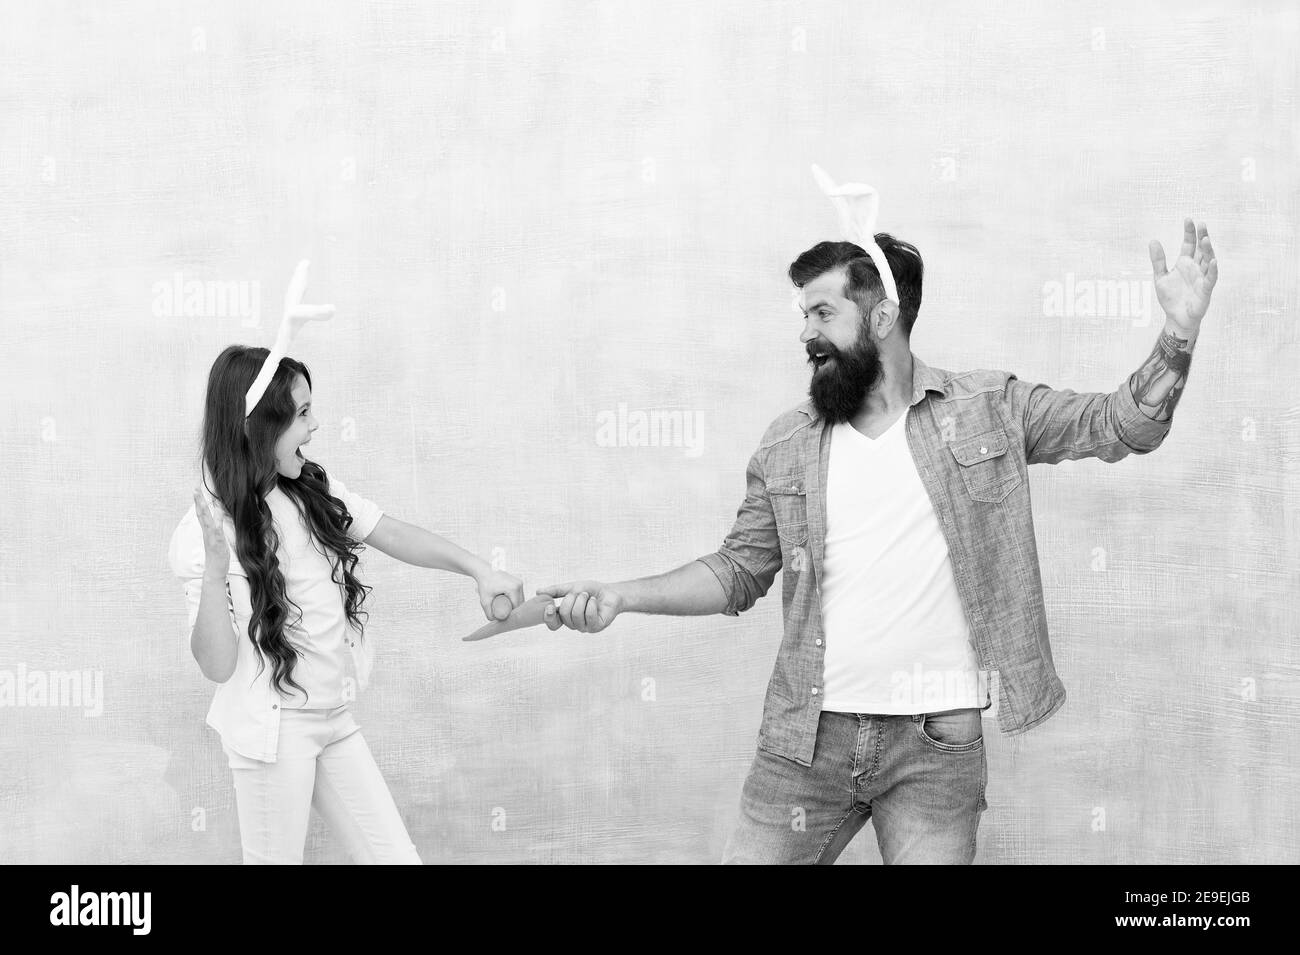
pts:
pixel 920 779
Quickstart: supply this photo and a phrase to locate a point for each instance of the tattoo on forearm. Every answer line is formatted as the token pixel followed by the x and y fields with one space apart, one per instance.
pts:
pixel 1159 383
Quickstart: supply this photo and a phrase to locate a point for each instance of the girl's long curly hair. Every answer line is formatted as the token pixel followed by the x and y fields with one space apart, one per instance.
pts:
pixel 240 460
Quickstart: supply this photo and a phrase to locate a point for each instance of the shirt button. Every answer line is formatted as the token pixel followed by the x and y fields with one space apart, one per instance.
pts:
pixel 984 450
pixel 819 643
pixel 275 706
pixel 814 691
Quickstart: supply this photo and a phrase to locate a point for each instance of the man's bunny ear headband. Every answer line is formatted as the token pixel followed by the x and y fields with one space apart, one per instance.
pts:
pixel 857 205
pixel 296 315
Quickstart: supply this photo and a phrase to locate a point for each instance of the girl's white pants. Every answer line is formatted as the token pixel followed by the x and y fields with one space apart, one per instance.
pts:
pixel 322 760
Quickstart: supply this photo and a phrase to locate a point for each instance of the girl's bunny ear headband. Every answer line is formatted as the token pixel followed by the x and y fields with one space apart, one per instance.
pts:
pixel 857 206
pixel 296 315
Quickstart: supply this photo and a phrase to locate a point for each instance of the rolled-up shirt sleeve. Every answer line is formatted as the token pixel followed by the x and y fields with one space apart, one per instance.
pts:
pixel 365 512
pixel 750 556
pixel 1066 425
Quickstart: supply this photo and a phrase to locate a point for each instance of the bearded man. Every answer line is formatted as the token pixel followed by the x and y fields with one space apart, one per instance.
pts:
pixel 896 501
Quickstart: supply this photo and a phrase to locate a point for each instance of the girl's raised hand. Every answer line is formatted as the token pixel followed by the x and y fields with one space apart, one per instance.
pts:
pixel 215 548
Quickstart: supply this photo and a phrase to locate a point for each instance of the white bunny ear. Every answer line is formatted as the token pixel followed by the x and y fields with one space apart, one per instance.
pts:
pixel 824 180
pixel 858 205
pixel 296 315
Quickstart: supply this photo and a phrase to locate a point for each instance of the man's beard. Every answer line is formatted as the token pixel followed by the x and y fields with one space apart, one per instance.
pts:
pixel 839 387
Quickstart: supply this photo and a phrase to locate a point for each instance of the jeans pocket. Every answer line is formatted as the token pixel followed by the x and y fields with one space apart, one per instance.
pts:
pixel 952 731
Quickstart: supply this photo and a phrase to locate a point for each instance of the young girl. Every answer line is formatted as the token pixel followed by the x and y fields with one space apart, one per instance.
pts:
pixel 268 554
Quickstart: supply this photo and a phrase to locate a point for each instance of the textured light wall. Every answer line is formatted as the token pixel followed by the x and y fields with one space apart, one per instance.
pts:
pixel 532 215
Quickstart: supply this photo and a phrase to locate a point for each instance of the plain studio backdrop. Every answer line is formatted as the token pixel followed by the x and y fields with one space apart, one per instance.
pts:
pixel 544 224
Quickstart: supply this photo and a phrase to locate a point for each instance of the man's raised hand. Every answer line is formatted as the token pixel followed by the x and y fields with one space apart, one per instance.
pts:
pixel 1184 291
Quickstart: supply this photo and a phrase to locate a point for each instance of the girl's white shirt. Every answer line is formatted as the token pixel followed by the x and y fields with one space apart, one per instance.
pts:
pixel 246 708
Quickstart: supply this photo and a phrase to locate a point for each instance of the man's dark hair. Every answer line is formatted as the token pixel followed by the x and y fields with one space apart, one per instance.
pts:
pixel 863 286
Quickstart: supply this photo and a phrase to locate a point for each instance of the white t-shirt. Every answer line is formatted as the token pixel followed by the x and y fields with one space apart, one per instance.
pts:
pixel 323 634
pixel 246 709
pixel 897 639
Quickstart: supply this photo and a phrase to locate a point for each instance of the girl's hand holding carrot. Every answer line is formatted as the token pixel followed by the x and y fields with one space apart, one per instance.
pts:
pixel 499 593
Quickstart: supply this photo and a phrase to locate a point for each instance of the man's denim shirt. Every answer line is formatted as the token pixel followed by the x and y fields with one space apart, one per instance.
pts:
pixel 971 434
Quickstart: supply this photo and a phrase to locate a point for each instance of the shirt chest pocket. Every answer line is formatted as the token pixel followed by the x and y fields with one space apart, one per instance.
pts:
pixel 789 500
pixel 987 470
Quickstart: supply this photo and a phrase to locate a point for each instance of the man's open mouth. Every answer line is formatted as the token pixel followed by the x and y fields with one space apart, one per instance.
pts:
pixel 819 359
